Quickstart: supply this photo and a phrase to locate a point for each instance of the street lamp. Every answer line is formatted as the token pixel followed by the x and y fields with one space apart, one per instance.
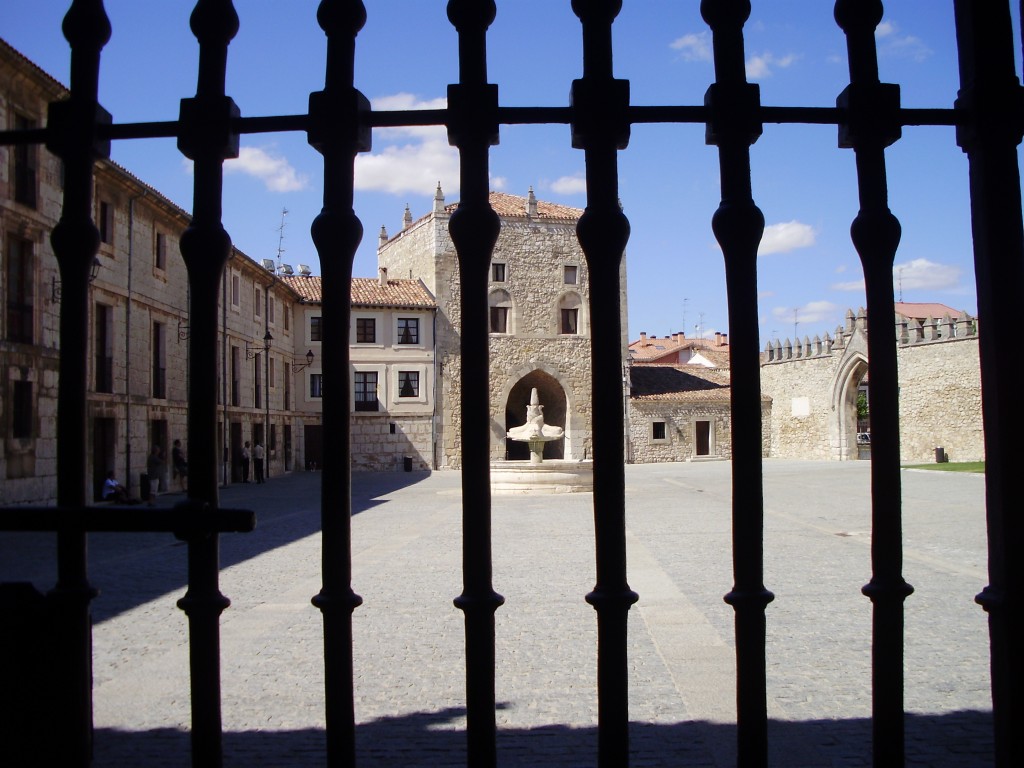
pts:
pixel 296 367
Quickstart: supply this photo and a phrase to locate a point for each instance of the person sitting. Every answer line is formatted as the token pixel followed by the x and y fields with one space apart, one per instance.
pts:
pixel 114 491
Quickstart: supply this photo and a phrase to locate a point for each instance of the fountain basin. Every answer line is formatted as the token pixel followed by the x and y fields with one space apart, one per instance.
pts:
pixel 550 476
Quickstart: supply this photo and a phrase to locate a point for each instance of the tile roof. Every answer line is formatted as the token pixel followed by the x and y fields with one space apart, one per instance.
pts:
pixel 514 207
pixel 367 292
pixel 678 383
pixel 922 310
pixel 651 349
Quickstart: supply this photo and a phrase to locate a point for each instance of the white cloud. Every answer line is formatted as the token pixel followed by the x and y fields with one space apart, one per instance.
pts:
pixel 413 158
pixel 498 183
pixel 917 274
pixel 760 67
pixel 570 185
pixel 892 43
pixel 812 312
pixel 274 170
pixel 925 275
pixel 693 47
pixel 786 236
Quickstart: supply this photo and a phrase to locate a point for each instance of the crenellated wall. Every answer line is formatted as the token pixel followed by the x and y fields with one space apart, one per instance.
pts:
pixel 813 385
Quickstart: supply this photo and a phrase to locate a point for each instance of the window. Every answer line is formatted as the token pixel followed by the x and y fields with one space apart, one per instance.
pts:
pixel 499 319
pixel 408 384
pixel 316 385
pixel 498 272
pixel 273 372
pixel 20 293
pixel 499 302
pixel 408 330
pixel 570 318
pixel 271 310
pixel 287 391
pixel 287 311
pixel 236 290
pixel 257 302
pixel 315 329
pixel 658 430
pixel 159 362
pixel 21 410
pixel 366 330
pixel 236 376
pixel 105 222
pixel 571 274
pixel 160 251
pixel 25 165
pixel 103 345
pixel 366 391
pixel 257 377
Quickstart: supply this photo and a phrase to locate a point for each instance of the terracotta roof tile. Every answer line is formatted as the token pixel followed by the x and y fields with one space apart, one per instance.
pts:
pixel 922 310
pixel 680 383
pixel 514 206
pixel 367 292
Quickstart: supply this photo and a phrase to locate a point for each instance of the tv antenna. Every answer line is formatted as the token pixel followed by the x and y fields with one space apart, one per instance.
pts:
pixel 899 278
pixel 280 237
pixel 796 323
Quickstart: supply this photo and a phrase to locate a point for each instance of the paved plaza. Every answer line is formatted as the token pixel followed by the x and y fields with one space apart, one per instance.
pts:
pixel 409 637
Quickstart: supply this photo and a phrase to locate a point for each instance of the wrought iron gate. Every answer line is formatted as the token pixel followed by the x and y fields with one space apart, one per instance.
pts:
pixel 989 119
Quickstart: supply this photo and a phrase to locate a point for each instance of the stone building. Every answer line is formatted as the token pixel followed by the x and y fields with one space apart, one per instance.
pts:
pixel 539 319
pixel 391 344
pixel 813 385
pixel 138 322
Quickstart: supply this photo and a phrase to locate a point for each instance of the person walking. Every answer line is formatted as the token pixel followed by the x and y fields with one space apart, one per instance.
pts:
pixel 257 459
pixel 246 456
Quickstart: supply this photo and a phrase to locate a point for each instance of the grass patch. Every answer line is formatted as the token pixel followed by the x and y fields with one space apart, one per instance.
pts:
pixel 951 466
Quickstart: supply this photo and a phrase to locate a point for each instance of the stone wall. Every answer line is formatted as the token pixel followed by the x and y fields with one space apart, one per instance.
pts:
pixel 680 419
pixel 813 386
pixel 376 448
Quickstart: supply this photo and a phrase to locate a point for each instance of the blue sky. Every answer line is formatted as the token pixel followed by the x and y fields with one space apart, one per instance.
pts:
pixel 809 273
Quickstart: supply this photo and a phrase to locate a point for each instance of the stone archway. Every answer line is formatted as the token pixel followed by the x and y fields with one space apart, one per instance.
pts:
pixel 844 408
pixel 552 397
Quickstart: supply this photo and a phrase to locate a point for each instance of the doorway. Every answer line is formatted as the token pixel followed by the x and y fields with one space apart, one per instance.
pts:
pixel 103 453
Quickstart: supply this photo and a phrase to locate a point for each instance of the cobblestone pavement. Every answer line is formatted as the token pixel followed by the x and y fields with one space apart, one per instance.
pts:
pixel 409 637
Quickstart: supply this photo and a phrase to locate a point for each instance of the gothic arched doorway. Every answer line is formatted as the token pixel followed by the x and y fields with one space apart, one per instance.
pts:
pixel 551 396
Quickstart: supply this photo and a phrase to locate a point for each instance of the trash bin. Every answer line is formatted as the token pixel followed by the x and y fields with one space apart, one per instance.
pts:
pixel 940 455
pixel 407 463
pixel 144 486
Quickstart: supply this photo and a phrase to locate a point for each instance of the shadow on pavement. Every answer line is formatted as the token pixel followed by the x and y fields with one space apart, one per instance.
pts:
pixel 130 569
pixel 428 740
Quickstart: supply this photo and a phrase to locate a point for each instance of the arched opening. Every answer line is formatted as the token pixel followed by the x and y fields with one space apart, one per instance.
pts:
pixel 851 409
pixel 552 397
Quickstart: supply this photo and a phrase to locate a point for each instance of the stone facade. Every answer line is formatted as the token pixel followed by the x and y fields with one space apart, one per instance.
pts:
pixel 138 324
pixel 814 385
pixel 540 331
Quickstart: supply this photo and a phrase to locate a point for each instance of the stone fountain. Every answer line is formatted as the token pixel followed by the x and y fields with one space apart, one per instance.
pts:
pixel 537 475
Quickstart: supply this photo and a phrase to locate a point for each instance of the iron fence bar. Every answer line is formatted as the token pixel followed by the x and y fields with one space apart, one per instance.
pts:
pixel 73 137
pixel 600 128
pixel 474 227
pixel 337 131
pixel 734 125
pixel 992 101
pixel 871 108
pixel 206 137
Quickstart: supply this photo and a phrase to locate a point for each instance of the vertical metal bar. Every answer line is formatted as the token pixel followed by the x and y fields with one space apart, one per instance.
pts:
pixel 473 128
pixel 734 125
pixel 337 131
pixel 991 98
pixel 600 127
pixel 73 137
pixel 870 123
pixel 206 136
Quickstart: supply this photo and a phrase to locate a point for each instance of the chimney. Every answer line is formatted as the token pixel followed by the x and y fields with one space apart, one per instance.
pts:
pixel 383 273
pixel 531 204
pixel 643 335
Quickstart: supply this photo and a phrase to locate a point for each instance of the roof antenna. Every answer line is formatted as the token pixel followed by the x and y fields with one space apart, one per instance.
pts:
pixel 899 274
pixel 280 238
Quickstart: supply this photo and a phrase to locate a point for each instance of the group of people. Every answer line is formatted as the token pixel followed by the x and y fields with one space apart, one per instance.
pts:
pixel 114 492
pixel 255 457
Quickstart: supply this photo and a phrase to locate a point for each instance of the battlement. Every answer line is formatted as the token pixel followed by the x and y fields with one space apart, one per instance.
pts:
pixel 909 331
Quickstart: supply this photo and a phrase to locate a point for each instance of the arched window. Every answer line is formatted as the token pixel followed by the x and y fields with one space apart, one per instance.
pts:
pixel 501 315
pixel 570 314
